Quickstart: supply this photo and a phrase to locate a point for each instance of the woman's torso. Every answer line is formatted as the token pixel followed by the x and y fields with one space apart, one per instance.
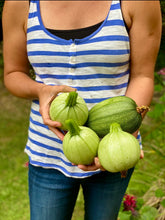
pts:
pixel 97 66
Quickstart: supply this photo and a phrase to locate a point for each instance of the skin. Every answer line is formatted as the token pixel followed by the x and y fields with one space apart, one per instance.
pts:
pixel 143 19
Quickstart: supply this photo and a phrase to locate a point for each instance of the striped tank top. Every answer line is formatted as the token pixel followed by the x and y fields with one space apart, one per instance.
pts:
pixel 96 65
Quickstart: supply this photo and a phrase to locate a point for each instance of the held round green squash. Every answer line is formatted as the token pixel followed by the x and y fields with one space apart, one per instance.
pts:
pixel 66 106
pixel 120 109
pixel 80 144
pixel 118 151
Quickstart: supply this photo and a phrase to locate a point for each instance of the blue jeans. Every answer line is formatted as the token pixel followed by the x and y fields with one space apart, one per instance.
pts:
pixel 53 195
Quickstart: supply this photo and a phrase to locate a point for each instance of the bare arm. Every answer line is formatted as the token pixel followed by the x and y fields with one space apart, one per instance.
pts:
pixel 16 65
pixel 145 35
pixel 144 19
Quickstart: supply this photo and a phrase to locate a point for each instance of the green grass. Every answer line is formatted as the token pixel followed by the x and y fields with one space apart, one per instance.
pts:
pixel 14 115
pixel 13 174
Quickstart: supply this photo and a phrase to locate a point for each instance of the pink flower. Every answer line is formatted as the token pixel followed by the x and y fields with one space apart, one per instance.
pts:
pixel 129 203
pixel 161 71
pixel 26 164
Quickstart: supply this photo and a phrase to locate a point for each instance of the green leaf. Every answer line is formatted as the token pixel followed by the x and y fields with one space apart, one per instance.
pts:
pixel 148 213
pixel 139 203
pixel 135 216
pixel 159 193
pixel 157 111
pixel 163 202
pixel 158 88
pixel 162 99
pixel 126 215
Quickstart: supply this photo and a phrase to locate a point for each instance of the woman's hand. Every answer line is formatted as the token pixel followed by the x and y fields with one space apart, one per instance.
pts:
pixel 135 134
pixel 46 95
pixel 94 166
pixel 141 154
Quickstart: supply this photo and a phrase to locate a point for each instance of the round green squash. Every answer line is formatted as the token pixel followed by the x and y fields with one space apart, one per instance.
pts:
pixel 118 151
pixel 120 109
pixel 80 144
pixel 68 106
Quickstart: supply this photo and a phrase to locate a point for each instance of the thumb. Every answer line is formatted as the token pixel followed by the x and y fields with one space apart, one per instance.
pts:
pixel 98 164
pixel 64 88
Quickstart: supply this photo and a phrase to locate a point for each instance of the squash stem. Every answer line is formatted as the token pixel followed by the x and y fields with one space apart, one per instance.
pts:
pixel 72 127
pixel 142 109
pixel 115 127
pixel 123 174
pixel 71 99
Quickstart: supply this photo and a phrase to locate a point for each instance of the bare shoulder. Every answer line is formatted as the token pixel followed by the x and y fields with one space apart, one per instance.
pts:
pixel 145 6
pixel 15 12
pixel 16 6
pixel 14 19
pixel 146 12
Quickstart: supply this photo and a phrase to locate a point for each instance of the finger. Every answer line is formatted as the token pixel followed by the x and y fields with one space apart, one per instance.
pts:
pixel 92 167
pixel 141 154
pixel 135 134
pixel 57 132
pixel 60 89
pixel 98 164
pixel 64 88
pixel 49 122
pixel 44 111
pixel 95 166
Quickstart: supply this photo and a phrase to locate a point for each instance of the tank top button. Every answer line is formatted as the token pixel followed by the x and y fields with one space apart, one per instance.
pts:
pixel 72 60
pixel 71 70
pixel 73 47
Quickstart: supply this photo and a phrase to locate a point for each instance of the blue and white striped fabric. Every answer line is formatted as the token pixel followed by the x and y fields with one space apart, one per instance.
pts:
pixel 97 66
